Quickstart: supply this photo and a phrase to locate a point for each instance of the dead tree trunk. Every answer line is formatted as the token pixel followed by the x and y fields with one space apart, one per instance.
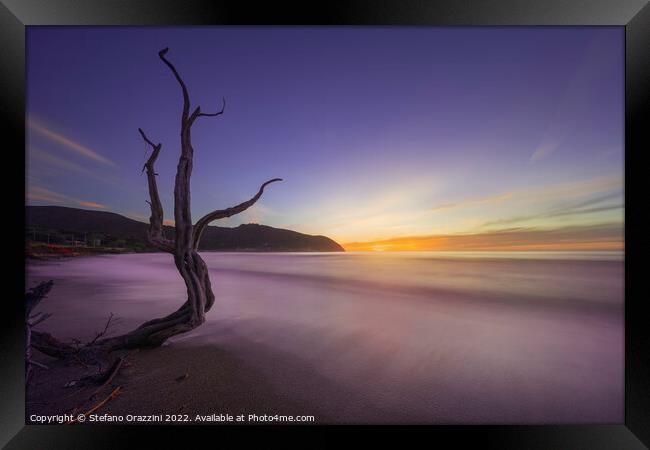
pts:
pixel 184 247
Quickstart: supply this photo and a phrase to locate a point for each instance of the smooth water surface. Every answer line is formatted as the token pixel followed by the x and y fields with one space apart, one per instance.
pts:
pixel 421 337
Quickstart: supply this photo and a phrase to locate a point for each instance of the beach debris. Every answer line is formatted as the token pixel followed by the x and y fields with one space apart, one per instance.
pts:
pixel 103 332
pixel 38 318
pixel 36 363
pixel 117 391
pixel 32 298
pixel 183 377
pixel 105 377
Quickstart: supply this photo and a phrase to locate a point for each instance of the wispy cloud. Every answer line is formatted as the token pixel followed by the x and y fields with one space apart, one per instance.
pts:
pixel 567 209
pixel 38 193
pixel 544 151
pixel 89 204
pixel 44 158
pixel 392 216
pixel 473 201
pixel 68 143
pixel 582 85
pixel 550 192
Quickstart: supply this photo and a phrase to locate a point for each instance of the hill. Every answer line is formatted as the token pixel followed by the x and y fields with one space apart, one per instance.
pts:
pixel 116 230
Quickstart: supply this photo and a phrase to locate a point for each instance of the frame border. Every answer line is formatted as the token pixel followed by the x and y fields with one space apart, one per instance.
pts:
pixel 634 15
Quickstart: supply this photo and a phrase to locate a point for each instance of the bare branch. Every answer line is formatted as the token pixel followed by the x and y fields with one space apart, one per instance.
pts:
pixel 116 392
pixel 101 379
pixel 34 317
pixel 36 363
pixel 186 95
pixel 156 150
pixel 147 140
pixel 103 332
pixel 155 233
pixel 218 113
pixel 35 295
pixel 197 112
pixel 223 213
pixel 32 298
pixel 182 212
pixel 38 318
pixel 49 345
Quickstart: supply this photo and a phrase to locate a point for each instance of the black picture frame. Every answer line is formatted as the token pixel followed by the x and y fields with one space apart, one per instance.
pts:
pixel 634 15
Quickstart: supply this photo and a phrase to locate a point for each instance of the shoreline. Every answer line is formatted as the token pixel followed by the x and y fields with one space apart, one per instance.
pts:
pixel 31 255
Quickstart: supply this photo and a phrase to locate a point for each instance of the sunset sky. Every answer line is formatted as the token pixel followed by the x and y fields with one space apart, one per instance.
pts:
pixel 387 138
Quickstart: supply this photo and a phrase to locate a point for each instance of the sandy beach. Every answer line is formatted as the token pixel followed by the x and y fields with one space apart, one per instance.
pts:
pixel 353 338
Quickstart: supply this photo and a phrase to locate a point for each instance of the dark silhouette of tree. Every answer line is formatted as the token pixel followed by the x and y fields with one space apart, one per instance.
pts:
pixel 184 248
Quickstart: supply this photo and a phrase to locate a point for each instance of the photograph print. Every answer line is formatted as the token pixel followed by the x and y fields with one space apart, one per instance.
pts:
pixel 324 225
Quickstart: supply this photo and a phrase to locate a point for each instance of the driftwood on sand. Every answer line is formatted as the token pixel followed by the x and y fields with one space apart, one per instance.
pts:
pixel 32 298
pixel 183 248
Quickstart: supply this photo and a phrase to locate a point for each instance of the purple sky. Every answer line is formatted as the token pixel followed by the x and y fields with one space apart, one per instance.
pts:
pixel 379 133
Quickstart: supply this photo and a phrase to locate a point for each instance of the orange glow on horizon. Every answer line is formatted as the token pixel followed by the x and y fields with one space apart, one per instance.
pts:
pixel 528 240
pixel 415 247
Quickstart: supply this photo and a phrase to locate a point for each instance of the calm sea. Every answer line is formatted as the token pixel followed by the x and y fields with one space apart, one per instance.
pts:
pixel 480 337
